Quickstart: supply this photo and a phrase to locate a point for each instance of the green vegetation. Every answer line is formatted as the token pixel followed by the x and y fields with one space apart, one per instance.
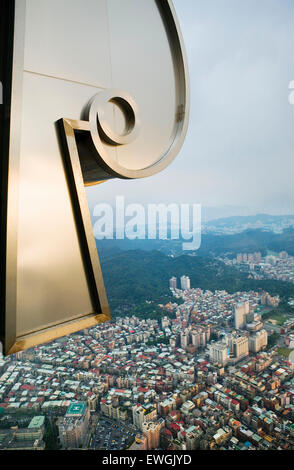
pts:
pixel 277 317
pixel 150 310
pixel 272 340
pixel 285 352
pixel 162 340
pixel 280 314
pixel 213 336
pixel 284 308
pixel 212 245
pixel 131 277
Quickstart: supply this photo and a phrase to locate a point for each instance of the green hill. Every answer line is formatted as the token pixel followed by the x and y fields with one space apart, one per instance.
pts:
pixel 213 245
pixel 131 277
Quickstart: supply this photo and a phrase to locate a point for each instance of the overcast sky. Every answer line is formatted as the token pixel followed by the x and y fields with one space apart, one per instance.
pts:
pixel 239 151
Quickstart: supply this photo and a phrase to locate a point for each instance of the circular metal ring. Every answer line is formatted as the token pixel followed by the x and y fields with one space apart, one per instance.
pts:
pixel 102 134
pixel 98 123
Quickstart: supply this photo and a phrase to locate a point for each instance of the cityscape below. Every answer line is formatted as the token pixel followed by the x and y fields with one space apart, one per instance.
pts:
pixel 213 371
pixel 181 266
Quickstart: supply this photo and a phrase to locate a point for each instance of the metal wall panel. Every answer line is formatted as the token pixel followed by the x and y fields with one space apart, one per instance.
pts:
pixel 152 82
pixel 99 90
pixel 49 255
pixel 68 39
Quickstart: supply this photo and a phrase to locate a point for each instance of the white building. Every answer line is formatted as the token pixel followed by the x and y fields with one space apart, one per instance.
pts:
pixel 258 341
pixel 173 282
pixel 241 310
pixel 218 353
pixel 185 282
pixel 240 347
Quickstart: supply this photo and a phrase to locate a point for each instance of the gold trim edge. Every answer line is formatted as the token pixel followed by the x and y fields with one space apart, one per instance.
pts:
pixel 74 326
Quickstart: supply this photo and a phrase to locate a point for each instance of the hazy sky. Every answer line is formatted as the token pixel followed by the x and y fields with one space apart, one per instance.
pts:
pixel 239 150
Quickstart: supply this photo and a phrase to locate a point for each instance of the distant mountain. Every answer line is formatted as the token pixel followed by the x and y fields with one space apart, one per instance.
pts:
pixel 247 241
pixel 212 245
pixel 261 219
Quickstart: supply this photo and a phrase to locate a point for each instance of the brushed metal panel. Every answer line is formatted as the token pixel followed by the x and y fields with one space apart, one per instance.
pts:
pixel 71 51
pixel 52 284
pixel 9 313
pixel 68 39
pixel 136 27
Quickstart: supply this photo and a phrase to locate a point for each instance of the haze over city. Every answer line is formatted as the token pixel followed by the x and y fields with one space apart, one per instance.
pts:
pixel 237 156
pixel 172 329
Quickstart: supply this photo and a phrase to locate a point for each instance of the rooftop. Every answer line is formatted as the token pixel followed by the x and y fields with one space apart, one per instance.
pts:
pixel 36 422
pixel 76 409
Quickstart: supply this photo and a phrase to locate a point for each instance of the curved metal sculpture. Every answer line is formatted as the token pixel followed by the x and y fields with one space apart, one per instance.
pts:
pixel 112 78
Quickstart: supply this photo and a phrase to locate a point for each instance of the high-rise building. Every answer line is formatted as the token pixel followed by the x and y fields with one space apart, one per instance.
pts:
pixel 184 339
pixel 257 256
pixel 195 335
pixel 193 436
pixel 173 282
pixel 240 347
pixel 106 407
pixel 207 333
pixel 239 258
pixel 258 341
pixel 241 310
pixel 73 427
pixel 200 336
pixel 152 432
pixel 185 282
pixel 218 353
pixel 266 299
pixel 138 416
pixel 143 414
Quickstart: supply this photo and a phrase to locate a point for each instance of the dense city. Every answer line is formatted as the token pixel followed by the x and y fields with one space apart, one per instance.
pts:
pixel 279 266
pixel 209 374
